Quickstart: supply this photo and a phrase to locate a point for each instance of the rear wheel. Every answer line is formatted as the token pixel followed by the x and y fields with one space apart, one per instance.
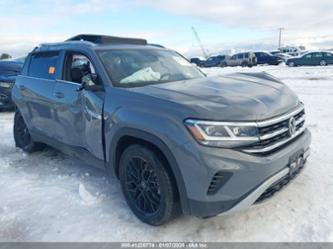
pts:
pixel 147 185
pixel 22 136
pixel 223 64
pixel 322 63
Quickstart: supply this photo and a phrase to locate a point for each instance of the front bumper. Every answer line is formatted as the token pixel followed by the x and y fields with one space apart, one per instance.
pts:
pixel 249 176
pixel 6 98
pixel 248 201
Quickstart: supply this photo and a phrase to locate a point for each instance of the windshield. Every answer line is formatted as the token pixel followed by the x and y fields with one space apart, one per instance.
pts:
pixel 130 68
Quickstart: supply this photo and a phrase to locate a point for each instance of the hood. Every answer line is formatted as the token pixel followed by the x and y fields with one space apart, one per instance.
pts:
pixel 10 68
pixel 236 97
pixel 9 79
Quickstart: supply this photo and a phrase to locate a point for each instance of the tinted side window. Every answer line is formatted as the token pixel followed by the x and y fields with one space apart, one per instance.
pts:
pixel 308 56
pixel 240 56
pixel 43 65
pixel 246 55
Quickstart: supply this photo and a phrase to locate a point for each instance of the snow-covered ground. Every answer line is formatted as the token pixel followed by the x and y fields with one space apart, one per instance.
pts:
pixel 48 196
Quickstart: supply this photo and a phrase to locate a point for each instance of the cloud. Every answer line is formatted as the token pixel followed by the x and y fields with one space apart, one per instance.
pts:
pixel 27 23
pixel 303 21
pixel 60 7
pixel 19 45
pixel 253 13
pixel 40 14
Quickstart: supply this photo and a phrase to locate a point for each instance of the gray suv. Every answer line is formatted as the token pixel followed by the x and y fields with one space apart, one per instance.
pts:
pixel 179 142
pixel 246 59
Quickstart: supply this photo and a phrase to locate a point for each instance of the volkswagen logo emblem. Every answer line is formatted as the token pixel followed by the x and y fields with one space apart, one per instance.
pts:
pixel 292 126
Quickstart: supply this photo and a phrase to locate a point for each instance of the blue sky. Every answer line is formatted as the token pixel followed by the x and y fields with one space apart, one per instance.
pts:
pixel 221 25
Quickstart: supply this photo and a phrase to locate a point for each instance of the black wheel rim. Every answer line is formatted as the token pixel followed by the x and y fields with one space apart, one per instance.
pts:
pixel 22 132
pixel 142 185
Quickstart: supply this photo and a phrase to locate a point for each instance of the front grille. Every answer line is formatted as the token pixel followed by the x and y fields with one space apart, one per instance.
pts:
pixel 271 128
pixel 275 133
pixel 3 97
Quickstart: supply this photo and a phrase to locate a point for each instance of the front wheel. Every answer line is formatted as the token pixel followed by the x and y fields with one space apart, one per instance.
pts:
pixel 22 136
pixel 147 185
pixel 291 64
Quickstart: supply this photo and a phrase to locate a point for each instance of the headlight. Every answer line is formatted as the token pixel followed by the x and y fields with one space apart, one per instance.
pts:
pixel 223 134
pixel 6 85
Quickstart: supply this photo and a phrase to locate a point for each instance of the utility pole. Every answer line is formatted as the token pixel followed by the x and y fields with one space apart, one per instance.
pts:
pixel 280 36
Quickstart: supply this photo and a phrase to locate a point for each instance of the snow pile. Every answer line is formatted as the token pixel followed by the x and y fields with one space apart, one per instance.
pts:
pixel 48 196
pixel 86 197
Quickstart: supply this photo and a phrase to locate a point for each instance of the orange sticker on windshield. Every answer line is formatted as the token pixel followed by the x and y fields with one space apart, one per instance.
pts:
pixel 51 70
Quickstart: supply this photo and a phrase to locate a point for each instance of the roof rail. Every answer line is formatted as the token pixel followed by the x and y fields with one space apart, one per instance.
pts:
pixel 156 45
pixel 104 39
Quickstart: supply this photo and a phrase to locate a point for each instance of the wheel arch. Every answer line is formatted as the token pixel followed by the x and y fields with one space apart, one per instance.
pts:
pixel 128 136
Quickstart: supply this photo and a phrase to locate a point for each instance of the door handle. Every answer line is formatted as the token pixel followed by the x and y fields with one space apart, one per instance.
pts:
pixel 59 95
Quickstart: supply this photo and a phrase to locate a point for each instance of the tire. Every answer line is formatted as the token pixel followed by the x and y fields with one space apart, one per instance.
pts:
pixel 147 185
pixel 223 64
pixel 322 63
pixel 244 64
pixel 22 136
pixel 291 64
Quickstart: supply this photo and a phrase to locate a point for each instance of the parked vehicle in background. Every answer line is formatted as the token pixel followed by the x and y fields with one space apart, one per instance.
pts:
pixel 274 52
pixel 9 69
pixel 267 58
pixel 214 61
pixel 179 141
pixel 245 59
pixel 311 59
pixel 198 61
pixel 283 57
pixel 293 51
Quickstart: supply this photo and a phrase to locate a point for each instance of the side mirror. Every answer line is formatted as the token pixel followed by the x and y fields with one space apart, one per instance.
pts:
pixel 90 82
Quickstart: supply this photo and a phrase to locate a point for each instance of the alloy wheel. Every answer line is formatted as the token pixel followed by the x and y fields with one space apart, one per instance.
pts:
pixel 143 186
pixel 322 63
